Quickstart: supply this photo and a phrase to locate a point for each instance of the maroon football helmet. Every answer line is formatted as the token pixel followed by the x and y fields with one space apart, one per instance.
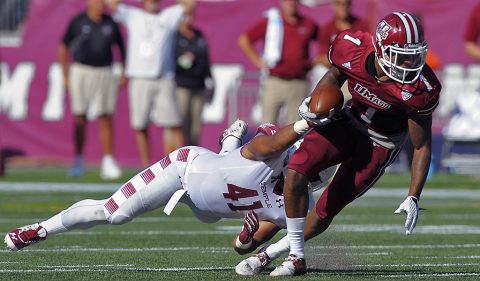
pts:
pixel 400 47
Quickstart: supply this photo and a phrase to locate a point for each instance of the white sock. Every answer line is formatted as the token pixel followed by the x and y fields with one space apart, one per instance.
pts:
pixel 295 236
pixel 107 157
pixel 54 224
pixel 81 215
pixel 229 144
pixel 276 249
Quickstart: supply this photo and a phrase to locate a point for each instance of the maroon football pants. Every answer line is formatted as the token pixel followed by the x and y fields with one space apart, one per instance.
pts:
pixel 362 162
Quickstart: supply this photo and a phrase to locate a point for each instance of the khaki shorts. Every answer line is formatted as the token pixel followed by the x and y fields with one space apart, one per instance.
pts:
pixel 153 99
pixel 280 93
pixel 94 89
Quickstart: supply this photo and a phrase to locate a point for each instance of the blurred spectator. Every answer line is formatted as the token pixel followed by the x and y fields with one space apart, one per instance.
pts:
pixel 151 69
pixel 89 38
pixel 12 14
pixel 192 70
pixel 287 35
pixel 433 59
pixel 472 32
pixel 343 19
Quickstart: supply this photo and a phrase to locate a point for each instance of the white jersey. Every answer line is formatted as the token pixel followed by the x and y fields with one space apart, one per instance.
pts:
pixel 150 40
pixel 228 186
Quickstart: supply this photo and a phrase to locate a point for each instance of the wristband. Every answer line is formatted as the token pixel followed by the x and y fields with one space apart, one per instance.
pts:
pixel 240 245
pixel 301 127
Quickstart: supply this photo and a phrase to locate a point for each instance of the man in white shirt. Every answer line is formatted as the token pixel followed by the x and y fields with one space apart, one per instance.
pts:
pixel 151 69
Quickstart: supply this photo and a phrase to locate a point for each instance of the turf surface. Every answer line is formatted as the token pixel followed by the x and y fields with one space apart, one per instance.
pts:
pixel 365 242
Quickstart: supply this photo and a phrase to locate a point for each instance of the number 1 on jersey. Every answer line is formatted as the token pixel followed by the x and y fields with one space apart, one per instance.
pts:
pixel 355 41
pixel 237 192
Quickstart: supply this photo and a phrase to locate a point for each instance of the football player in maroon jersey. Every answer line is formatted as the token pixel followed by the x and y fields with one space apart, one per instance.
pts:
pixel 393 94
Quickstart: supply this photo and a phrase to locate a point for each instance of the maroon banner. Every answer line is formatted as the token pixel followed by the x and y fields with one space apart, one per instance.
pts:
pixel 35 115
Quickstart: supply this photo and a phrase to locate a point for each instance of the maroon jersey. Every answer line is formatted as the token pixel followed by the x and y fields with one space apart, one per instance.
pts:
pixel 472 30
pixel 380 109
pixel 330 32
pixel 295 62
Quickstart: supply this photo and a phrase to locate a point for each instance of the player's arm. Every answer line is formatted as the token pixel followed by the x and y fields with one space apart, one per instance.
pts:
pixel 267 146
pixel 247 48
pixel 419 128
pixel 265 232
pixel 333 77
pixel 421 134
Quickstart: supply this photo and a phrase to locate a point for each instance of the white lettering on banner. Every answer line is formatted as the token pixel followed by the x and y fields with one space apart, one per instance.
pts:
pixel 228 79
pixel 54 107
pixel 14 89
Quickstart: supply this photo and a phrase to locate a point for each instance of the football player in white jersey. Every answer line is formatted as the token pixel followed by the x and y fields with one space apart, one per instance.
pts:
pixel 237 183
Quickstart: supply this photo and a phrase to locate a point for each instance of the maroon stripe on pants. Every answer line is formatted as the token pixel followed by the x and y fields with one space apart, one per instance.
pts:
pixel 183 154
pixel 111 206
pixel 147 176
pixel 128 190
pixel 165 162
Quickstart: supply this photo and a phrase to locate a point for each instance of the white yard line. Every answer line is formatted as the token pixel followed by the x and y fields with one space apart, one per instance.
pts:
pixel 416 265
pixel 224 249
pixel 376 192
pixel 149 269
pixel 445 257
pixel 153 249
pixel 456 274
pixel 47 186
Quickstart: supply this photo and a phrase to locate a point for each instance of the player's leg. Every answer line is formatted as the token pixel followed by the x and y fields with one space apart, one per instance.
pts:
pixel 81 215
pixel 319 150
pixel 105 104
pixel 78 103
pixel 79 129
pixel 173 138
pixel 166 114
pixel 146 191
pixel 140 100
pixel 299 87
pixel 353 178
pixel 271 102
pixel 198 102
pixel 110 170
pixel 184 100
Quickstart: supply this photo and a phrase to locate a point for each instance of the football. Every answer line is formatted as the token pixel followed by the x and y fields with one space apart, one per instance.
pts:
pixel 324 98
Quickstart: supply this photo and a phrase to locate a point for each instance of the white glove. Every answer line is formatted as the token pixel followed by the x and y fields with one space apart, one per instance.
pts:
pixel 304 112
pixel 409 207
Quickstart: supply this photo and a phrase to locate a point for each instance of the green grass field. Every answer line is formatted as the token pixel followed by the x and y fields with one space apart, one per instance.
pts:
pixel 365 242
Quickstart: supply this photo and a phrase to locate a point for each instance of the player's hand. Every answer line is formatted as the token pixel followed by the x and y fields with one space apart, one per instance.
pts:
pixel 409 207
pixel 311 118
pixel 250 226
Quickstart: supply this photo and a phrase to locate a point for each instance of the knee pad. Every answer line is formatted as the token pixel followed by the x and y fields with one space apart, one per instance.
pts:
pixel 118 218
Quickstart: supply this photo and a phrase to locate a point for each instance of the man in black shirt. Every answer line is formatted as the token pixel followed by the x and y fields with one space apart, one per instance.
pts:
pixel 89 38
pixel 191 72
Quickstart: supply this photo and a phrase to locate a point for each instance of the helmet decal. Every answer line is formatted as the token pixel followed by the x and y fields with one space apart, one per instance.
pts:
pixel 382 30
